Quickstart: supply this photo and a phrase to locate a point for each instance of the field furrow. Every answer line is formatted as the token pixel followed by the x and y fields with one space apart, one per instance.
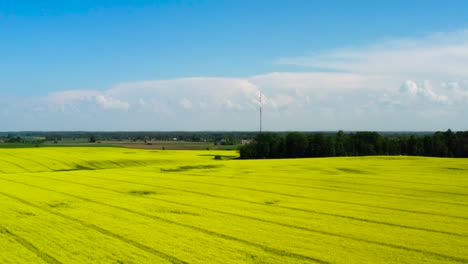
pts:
pixel 121 206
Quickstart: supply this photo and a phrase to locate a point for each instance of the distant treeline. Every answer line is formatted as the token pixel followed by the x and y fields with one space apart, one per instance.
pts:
pixel 227 138
pixel 232 137
pixel 302 145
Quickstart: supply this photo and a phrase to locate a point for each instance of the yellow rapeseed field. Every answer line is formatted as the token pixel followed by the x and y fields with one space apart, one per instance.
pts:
pixel 118 205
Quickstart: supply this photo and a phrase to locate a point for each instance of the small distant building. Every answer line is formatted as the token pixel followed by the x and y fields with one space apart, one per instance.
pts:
pixel 246 141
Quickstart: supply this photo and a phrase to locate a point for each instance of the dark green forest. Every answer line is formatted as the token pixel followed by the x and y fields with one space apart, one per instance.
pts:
pixel 302 145
pixel 281 144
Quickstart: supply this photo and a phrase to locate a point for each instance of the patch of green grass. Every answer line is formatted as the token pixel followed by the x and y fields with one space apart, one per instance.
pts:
pixel 18 145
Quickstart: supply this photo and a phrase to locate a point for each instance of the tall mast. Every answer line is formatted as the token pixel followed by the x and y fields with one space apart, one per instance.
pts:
pixel 260 101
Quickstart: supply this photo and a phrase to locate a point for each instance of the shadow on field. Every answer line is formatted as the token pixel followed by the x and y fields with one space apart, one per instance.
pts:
pixel 355 171
pixel 192 167
pixel 141 193
pixel 76 168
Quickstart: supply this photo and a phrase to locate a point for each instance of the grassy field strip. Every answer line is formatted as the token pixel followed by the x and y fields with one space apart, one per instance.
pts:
pixel 271 199
pixel 376 230
pixel 300 192
pixel 218 242
pixel 81 244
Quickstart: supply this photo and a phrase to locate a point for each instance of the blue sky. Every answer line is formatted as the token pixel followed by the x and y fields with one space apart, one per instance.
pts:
pixel 199 65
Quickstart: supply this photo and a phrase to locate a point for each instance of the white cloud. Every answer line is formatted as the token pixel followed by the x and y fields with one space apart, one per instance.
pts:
pixel 393 85
pixel 299 83
pixel 152 105
pixel 229 105
pixel 66 100
pixel 410 87
pixel 74 99
pixel 442 55
pixel 282 101
pixel 424 90
pixel 111 103
pixel 185 103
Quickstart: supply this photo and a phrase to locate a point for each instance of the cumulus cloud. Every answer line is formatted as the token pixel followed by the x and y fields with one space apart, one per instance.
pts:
pixel 417 83
pixel 74 99
pixel 66 100
pixel 111 103
pixel 229 105
pixel 424 90
pixel 186 103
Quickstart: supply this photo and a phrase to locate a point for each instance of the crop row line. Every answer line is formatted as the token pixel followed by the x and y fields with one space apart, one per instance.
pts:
pixel 30 247
pixel 373 178
pixel 14 164
pixel 278 252
pixel 317 199
pixel 345 190
pixel 279 206
pixel 98 229
pixel 29 160
pixel 305 197
pixel 390 180
pixel 394 246
pixel 365 184
pixel 343 176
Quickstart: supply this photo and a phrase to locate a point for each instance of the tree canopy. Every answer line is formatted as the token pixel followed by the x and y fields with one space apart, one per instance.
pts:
pixel 302 145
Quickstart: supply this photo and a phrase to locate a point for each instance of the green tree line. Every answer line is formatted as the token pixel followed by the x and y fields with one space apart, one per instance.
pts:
pixel 302 145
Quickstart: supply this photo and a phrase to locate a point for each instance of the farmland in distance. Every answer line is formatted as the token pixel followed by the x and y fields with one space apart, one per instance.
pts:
pixel 119 205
